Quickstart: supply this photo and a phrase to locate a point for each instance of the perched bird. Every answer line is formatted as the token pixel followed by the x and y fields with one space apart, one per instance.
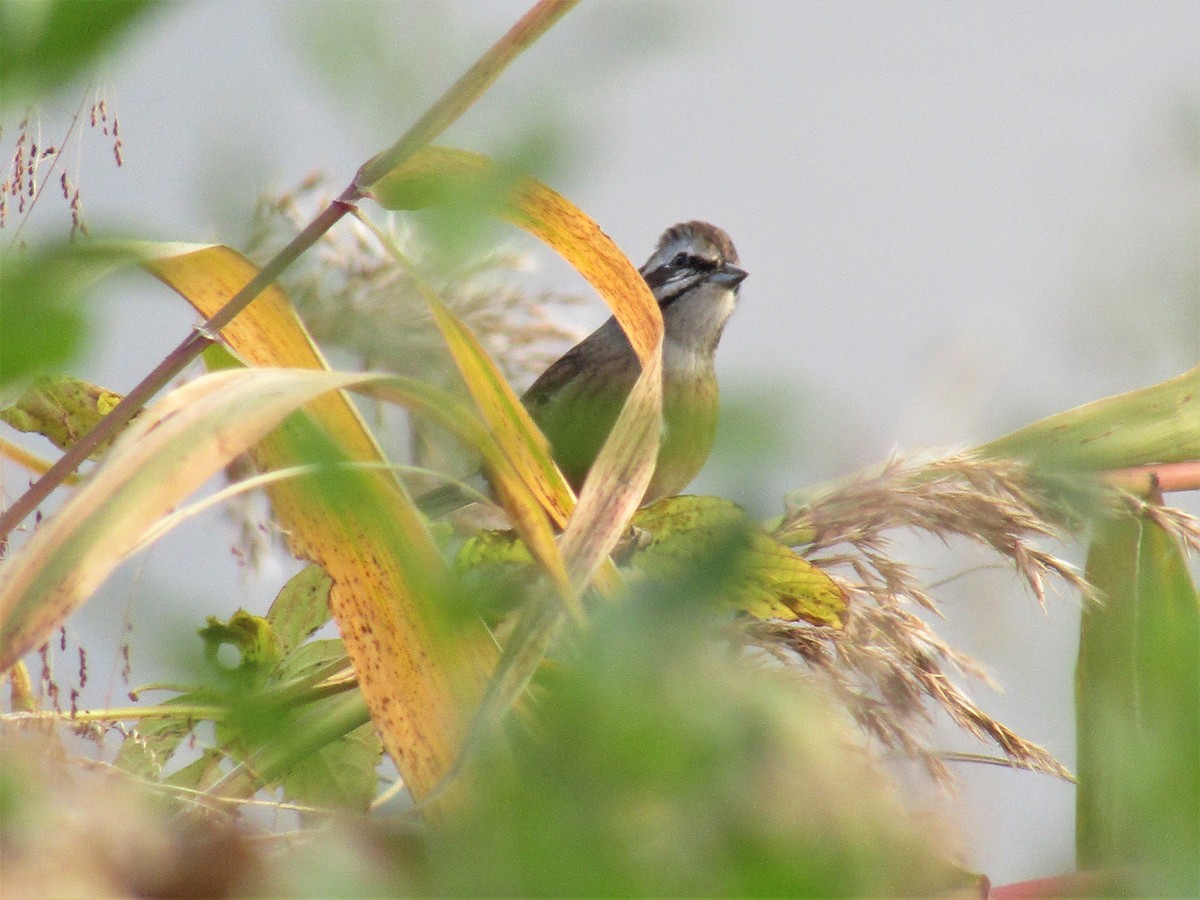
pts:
pixel 693 274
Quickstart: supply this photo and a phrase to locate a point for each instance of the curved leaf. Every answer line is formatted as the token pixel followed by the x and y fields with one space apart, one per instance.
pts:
pixel 1155 424
pixel 169 452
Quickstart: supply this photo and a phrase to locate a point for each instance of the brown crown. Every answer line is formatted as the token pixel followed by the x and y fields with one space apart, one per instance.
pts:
pixel 711 233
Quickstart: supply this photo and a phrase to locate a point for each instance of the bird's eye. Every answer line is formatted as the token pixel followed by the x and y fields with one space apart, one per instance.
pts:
pixel 680 259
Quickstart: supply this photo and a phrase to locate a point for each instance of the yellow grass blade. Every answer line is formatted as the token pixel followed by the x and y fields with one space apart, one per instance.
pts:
pixel 526 448
pixel 378 563
pixel 266 333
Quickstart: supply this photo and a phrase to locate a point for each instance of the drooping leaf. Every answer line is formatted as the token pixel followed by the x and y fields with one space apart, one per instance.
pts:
pixel 518 436
pixel 385 567
pixel 163 457
pixel 617 480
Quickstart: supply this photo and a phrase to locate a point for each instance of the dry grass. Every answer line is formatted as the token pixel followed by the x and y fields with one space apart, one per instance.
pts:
pixel 888 666
pixel 36 163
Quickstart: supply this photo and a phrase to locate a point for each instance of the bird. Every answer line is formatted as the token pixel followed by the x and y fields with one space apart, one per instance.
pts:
pixel 694 275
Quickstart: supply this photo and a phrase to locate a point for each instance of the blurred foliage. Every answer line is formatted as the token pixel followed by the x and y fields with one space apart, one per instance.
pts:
pixel 767 579
pixel 40 320
pixel 655 760
pixel 282 684
pixel 47 43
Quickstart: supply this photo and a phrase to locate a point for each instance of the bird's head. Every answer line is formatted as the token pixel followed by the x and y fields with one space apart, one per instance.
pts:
pixel 694 275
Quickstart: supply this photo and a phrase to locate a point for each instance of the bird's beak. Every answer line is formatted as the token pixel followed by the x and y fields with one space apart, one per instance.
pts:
pixel 728 274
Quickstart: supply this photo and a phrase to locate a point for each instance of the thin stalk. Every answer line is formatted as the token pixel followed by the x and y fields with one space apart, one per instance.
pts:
pixel 466 90
pixel 120 714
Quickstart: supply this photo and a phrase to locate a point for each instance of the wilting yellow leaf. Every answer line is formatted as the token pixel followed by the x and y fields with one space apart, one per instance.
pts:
pixel 518 436
pixel 267 333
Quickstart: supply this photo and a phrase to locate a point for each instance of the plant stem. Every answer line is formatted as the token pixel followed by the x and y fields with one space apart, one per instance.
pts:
pixel 464 92
pixel 201 337
pixel 119 713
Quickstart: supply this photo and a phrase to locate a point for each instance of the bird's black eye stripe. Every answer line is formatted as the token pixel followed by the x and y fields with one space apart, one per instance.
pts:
pixel 683 260
pixel 682 265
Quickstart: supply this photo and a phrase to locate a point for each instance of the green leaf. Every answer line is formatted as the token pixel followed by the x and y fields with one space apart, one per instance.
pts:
pixel 251 635
pixel 61 409
pixel 1155 424
pixel 301 607
pixel 42 328
pixel 148 748
pixel 655 762
pixel 340 774
pixel 1138 710
pixel 200 774
pixel 49 42
pixel 772 582
pixel 309 658
pixel 769 580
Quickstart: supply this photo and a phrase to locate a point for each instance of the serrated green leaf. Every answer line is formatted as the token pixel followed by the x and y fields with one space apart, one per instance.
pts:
pixel 301 607
pixel 200 774
pixel 309 658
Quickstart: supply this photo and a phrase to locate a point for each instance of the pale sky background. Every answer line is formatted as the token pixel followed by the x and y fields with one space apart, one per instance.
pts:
pixel 957 218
